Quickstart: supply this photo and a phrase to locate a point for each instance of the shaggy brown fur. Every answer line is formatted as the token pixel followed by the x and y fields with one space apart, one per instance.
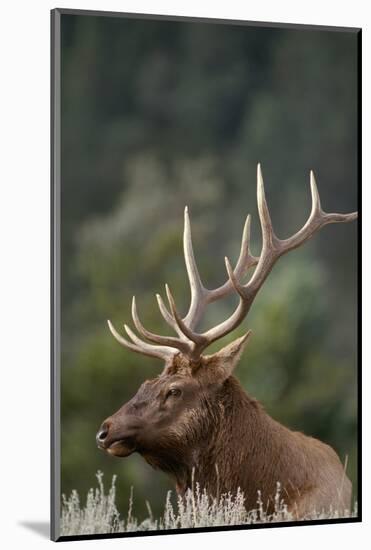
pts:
pixel 254 452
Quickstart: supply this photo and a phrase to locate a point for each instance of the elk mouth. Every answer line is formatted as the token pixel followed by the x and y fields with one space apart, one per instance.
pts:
pixel 121 447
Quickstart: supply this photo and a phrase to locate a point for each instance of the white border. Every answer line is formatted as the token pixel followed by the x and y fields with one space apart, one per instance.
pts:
pixel 24 271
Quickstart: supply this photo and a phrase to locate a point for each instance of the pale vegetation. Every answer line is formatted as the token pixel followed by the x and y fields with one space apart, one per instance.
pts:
pixel 196 509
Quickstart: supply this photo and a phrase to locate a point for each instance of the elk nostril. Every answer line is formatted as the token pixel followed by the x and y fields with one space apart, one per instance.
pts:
pixel 102 434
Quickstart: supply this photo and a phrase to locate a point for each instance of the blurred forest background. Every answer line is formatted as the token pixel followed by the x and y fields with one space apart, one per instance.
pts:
pixel 161 114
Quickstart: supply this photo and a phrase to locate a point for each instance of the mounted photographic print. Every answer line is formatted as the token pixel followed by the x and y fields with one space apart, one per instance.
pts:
pixel 205 189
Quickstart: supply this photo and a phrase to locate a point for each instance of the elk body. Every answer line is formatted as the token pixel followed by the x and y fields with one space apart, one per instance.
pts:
pixel 195 419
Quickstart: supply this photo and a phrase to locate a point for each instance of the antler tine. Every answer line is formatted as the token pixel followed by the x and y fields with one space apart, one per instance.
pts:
pixel 269 238
pixel 245 259
pixel 236 285
pixel 198 290
pixel 189 333
pixel 156 338
pixel 317 219
pixel 191 266
pixel 166 315
pixel 244 262
pixel 143 348
pixel 162 350
pixel 316 201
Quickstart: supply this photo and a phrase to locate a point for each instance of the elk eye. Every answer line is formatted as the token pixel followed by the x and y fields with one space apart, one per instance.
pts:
pixel 174 392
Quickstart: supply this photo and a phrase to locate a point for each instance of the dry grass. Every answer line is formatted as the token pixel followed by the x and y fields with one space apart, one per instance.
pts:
pixel 195 509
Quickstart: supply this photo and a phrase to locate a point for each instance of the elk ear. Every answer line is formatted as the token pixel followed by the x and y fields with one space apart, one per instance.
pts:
pixel 225 360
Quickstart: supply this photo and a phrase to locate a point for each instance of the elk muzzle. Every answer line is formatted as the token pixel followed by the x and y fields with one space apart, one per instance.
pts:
pixel 117 436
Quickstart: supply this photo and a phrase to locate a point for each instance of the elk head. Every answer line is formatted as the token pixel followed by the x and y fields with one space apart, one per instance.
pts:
pixel 171 416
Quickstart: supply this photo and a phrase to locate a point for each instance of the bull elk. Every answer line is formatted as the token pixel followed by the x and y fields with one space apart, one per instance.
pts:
pixel 195 419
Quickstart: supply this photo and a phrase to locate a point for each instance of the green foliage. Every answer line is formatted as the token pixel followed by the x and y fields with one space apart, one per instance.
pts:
pixel 158 115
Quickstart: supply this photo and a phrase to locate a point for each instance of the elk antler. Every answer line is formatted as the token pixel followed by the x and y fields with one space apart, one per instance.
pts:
pixel 192 343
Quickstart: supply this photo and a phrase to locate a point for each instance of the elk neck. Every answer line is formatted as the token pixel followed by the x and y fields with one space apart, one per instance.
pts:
pixel 244 448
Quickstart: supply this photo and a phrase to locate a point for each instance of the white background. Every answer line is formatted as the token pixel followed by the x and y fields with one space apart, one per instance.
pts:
pixel 24 267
